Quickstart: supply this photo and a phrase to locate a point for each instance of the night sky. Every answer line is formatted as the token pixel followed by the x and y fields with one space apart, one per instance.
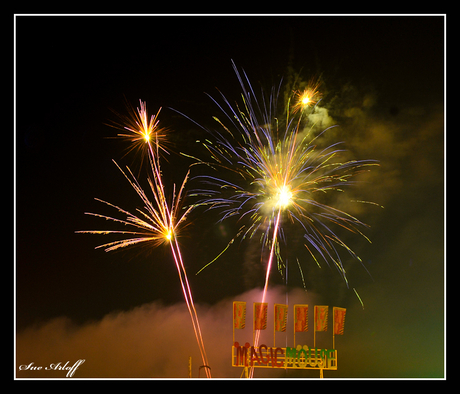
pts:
pixel 383 84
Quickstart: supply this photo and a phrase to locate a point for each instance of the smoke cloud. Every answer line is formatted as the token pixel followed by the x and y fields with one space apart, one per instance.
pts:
pixel 156 341
pixel 405 140
pixel 150 341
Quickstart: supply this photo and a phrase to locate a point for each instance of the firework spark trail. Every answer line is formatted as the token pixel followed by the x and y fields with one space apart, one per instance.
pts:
pixel 158 225
pixel 189 301
pixel 146 130
pixel 160 221
pixel 267 275
pixel 186 289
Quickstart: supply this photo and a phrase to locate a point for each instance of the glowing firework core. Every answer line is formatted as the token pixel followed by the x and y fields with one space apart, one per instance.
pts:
pixel 168 235
pixel 305 100
pixel 284 196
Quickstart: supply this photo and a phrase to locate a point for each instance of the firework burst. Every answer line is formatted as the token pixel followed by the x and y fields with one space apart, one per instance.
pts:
pixel 141 132
pixel 307 97
pixel 157 223
pixel 160 219
pixel 281 175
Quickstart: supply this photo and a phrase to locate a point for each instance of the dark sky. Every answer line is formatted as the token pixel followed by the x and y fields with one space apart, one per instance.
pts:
pixel 383 85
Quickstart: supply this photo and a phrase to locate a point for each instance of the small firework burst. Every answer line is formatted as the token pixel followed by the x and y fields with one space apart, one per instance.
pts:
pixel 307 97
pixel 141 132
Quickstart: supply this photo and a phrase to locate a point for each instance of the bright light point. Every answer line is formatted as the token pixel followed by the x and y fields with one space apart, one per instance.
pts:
pixel 146 137
pixel 168 236
pixel 284 196
pixel 305 100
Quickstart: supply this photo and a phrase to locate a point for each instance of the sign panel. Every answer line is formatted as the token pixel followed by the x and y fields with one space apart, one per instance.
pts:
pixel 281 312
pixel 260 315
pixel 321 312
pixel 239 314
pixel 300 318
pixel 339 320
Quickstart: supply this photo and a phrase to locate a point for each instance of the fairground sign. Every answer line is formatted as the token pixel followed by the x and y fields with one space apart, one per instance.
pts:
pixel 300 357
pixel 297 357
